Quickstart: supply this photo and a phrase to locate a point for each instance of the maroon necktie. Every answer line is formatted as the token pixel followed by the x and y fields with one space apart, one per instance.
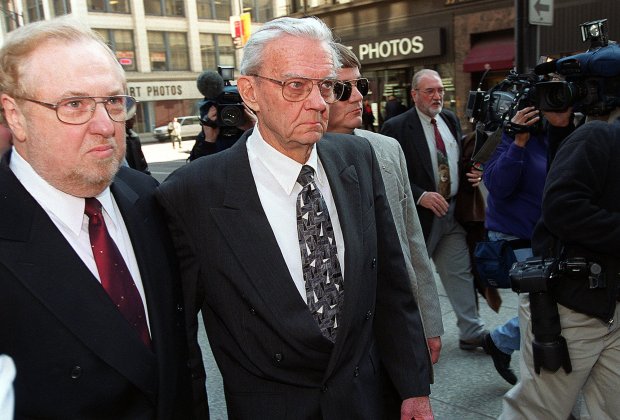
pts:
pixel 115 276
pixel 438 140
pixel 443 166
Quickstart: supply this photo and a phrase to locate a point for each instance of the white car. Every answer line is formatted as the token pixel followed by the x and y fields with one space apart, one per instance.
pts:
pixel 190 127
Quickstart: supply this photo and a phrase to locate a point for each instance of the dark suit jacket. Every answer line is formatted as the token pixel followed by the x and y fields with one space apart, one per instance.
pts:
pixel 76 356
pixel 407 129
pixel 274 360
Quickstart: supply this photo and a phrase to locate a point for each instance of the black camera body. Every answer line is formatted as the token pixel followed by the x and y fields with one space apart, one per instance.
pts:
pixel 532 275
pixel 224 96
pixel 591 82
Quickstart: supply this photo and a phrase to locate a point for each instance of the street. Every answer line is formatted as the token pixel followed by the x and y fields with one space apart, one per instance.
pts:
pixel 466 387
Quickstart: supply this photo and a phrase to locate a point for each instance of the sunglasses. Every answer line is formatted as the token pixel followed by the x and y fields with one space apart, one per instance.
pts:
pixel 347 86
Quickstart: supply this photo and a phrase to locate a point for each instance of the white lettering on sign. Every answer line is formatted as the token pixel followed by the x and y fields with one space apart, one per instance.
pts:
pixel 391 48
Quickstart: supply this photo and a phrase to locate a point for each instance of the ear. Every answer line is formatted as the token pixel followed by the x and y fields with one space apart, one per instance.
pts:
pixel 247 90
pixel 14 117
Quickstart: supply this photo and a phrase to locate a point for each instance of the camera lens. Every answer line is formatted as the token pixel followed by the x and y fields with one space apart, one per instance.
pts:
pixel 231 115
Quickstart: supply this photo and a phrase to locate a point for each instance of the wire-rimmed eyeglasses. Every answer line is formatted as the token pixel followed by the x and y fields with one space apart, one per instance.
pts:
pixel 78 110
pixel 431 92
pixel 361 84
pixel 297 89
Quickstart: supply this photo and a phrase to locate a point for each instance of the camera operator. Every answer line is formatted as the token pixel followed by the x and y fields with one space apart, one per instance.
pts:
pixel 580 228
pixel 514 177
pixel 210 140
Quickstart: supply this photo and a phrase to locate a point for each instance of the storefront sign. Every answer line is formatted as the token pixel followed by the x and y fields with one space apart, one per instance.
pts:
pixel 406 46
pixel 164 90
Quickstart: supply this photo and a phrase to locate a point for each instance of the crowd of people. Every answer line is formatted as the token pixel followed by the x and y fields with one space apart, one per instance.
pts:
pixel 309 245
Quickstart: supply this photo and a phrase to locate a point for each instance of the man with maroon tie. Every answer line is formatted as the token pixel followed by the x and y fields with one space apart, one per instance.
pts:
pixel 88 282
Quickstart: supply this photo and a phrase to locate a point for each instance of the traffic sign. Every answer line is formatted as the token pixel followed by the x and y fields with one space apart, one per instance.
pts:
pixel 540 12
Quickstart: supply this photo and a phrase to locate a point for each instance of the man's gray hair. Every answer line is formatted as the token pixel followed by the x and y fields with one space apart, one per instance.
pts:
pixel 424 72
pixel 309 27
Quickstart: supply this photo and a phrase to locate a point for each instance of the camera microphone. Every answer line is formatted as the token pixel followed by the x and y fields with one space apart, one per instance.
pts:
pixel 210 84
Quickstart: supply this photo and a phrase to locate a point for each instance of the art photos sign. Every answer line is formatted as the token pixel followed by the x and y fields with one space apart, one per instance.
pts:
pixel 406 46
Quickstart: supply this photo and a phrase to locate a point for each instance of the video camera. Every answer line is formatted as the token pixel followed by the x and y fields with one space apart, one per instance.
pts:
pixel 219 92
pixel 591 84
pixel 592 78
pixel 499 104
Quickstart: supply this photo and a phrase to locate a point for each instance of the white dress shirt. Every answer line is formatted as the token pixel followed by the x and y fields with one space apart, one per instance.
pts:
pixel 7 396
pixel 67 213
pixel 452 148
pixel 275 176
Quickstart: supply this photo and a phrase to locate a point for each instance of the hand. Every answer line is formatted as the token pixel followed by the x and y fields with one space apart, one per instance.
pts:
pixel 211 133
pixel 434 346
pixel 435 203
pixel 474 176
pixel 559 119
pixel 416 408
pixel 527 116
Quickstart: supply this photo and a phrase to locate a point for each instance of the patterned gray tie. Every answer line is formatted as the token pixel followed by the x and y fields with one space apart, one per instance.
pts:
pixel 319 255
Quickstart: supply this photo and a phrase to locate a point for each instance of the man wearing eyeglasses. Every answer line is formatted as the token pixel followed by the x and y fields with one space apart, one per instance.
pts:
pixel 430 137
pixel 288 247
pixel 88 281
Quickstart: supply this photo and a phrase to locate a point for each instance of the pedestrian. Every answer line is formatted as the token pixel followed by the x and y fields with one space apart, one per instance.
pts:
pixel 288 247
pixel 430 138
pixel 393 107
pixel 88 283
pixel 134 155
pixel 368 118
pixel 344 117
pixel 176 135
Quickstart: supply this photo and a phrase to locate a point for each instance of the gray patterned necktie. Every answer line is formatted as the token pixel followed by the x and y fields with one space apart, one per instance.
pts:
pixel 319 255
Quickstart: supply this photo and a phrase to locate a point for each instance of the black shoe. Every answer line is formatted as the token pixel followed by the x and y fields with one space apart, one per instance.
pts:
pixel 501 360
pixel 473 344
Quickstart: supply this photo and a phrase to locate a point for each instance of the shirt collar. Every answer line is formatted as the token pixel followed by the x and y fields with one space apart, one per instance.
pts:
pixel 284 169
pixel 424 117
pixel 68 209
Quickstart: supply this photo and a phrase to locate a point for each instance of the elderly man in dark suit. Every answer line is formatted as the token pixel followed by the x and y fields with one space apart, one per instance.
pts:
pixel 88 283
pixel 289 246
pixel 431 139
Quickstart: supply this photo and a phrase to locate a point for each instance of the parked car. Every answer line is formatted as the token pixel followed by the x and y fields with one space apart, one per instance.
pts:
pixel 190 127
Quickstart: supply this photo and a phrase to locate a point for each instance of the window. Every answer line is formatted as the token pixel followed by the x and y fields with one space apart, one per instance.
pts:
pixel 121 42
pixel 61 7
pixel 164 7
pixel 261 10
pixel 214 9
pixel 108 6
pixel 168 51
pixel 12 19
pixel 34 10
pixel 216 50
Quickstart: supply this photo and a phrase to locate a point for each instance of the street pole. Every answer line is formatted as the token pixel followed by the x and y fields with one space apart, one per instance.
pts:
pixel 526 43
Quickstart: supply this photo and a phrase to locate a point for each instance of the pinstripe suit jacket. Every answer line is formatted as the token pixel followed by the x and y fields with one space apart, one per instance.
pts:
pixel 398 190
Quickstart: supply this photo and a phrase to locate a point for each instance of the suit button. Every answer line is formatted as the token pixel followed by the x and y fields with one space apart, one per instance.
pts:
pixel 253 311
pixel 76 372
pixel 356 372
pixel 373 263
pixel 324 389
pixel 179 308
pixel 368 315
pixel 278 357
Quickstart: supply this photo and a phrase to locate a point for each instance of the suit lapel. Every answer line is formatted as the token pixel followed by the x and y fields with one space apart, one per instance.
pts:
pixel 344 184
pixel 246 229
pixel 418 140
pixel 54 274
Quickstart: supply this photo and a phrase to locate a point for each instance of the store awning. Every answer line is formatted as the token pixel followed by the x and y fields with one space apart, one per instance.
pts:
pixel 496 55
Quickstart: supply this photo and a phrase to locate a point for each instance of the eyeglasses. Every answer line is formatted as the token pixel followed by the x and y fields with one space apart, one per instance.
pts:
pixel 80 109
pixel 361 85
pixel 297 89
pixel 431 92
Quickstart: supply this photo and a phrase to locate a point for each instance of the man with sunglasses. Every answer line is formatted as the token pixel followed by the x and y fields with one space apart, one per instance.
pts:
pixel 345 116
pixel 430 137
pixel 89 291
pixel 288 247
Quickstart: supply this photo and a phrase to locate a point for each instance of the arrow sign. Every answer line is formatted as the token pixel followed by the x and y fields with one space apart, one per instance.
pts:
pixel 540 12
pixel 540 7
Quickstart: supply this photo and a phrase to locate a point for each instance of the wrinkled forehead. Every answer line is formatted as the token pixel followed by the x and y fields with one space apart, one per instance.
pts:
pixel 289 55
